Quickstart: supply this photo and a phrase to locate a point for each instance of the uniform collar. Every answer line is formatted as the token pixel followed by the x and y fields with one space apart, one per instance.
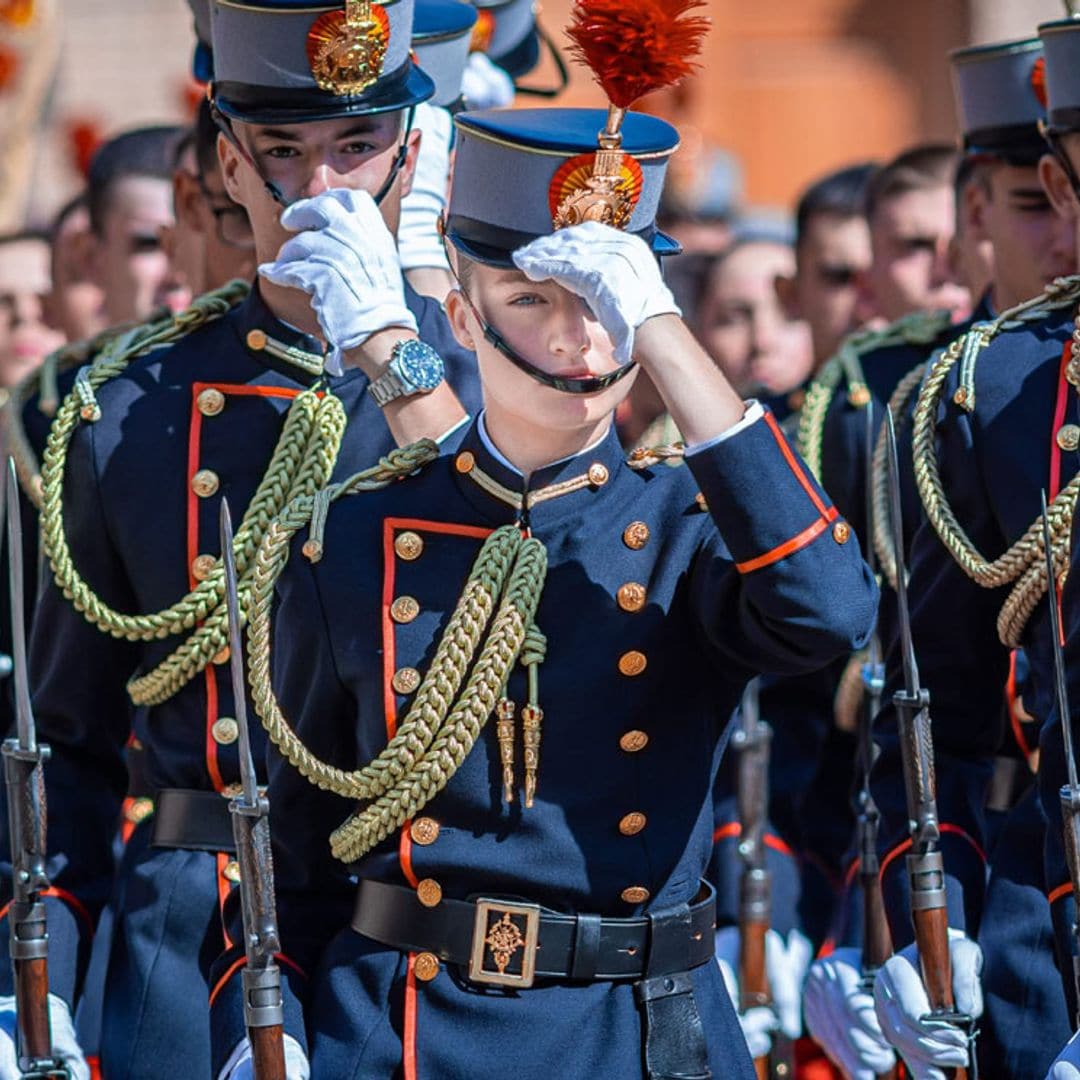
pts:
pixel 276 344
pixel 499 491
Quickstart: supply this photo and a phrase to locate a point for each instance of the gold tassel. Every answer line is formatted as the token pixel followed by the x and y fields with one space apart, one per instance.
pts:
pixel 504 728
pixel 532 716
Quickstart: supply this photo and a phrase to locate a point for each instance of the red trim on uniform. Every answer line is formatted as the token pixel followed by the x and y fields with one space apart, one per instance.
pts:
pixel 224 887
pixel 796 468
pixel 93 1063
pixel 1062 890
pixel 1012 699
pixel 408 1035
pixel 828 947
pixel 900 848
pixel 72 902
pixel 733 829
pixel 210 676
pixel 237 964
pixel 1060 408
pixel 789 547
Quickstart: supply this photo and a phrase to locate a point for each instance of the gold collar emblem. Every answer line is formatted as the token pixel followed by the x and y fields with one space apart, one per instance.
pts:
pixel 346 48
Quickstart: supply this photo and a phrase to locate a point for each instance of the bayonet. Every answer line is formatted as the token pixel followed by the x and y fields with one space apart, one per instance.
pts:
pixel 925 867
pixel 263 1008
pixel 24 779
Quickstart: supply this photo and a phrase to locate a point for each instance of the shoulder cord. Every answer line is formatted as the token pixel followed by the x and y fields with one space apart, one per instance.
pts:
pixel 491 629
pixel 921 328
pixel 1022 562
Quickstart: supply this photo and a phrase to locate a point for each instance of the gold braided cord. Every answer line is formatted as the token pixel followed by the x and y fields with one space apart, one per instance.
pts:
pixel 920 328
pixel 881 525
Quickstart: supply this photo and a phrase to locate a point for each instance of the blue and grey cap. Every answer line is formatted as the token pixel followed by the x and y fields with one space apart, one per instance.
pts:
pixel 202 60
pixel 1061 43
pixel 292 61
pixel 507 32
pixel 442 39
pixel 1000 99
pixel 517 170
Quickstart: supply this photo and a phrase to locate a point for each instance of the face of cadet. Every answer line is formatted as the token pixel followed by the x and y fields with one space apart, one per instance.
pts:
pixel 77 302
pixel 129 261
pixel 25 339
pixel 355 152
pixel 745 329
pixel 911 269
pixel 551 328
pixel 1032 245
pixel 833 251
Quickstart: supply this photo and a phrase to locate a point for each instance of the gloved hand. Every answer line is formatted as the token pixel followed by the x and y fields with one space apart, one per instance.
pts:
pixel 345 257
pixel 240 1065
pixel 65 1046
pixel 614 272
pixel 419 243
pixel 1067 1064
pixel 900 1000
pixel 785 966
pixel 840 1016
pixel 485 85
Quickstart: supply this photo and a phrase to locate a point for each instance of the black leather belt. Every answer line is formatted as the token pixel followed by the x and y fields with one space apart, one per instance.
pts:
pixel 509 943
pixel 192 820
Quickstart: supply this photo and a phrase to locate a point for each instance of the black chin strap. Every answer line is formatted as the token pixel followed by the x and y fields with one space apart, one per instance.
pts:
pixel 560 67
pixel 276 193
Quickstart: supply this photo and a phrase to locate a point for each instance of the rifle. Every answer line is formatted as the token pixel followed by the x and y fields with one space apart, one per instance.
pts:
pixel 877 940
pixel 1070 792
pixel 24 780
pixel 751 742
pixel 925 867
pixel 263 1009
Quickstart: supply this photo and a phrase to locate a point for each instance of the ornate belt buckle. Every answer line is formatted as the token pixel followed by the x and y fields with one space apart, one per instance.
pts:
pixel 500 934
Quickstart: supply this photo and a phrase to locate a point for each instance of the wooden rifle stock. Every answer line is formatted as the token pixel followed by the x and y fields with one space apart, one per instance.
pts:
pixel 32 994
pixel 932 939
pixel 877 940
pixel 753 980
pixel 268 1052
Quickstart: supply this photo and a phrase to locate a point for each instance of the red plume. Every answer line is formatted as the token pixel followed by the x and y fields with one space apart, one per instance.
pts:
pixel 634 47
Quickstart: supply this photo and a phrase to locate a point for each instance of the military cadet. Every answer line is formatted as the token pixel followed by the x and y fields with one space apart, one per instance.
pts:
pixel 994 423
pixel 652 591
pixel 232 398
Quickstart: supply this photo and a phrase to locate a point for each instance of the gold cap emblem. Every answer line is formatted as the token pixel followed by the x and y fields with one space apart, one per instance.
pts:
pixel 346 48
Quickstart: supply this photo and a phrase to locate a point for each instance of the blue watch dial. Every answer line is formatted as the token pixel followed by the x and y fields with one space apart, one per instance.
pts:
pixel 419 364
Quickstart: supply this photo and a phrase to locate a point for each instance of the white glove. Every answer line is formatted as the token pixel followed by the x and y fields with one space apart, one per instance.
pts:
pixel 345 257
pixel 1067 1064
pixel 785 966
pixel 419 243
pixel 240 1065
pixel 65 1046
pixel 615 273
pixel 485 85
pixel 927 1046
pixel 840 1016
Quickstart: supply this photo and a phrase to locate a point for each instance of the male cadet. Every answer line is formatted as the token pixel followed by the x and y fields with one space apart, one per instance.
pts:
pixel 540 901
pixel 989 432
pixel 232 400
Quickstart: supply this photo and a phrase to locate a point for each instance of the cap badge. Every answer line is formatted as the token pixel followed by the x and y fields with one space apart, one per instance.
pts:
pixel 580 191
pixel 346 48
pixel 1038 80
pixel 482 32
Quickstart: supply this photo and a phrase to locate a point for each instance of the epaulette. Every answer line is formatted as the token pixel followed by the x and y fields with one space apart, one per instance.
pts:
pixel 1021 565
pixel 917 329
pixel 491 630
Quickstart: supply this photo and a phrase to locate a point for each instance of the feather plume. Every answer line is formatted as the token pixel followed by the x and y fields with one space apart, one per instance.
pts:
pixel 634 47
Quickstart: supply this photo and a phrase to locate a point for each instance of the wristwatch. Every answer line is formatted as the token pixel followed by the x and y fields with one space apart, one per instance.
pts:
pixel 415 368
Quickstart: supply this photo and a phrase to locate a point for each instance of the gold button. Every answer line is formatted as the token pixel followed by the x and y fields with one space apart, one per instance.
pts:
pixel 960 397
pixel 632 663
pixel 636 894
pixel 231 872
pixel 636 535
pixel 1068 437
pixel 598 475
pixel 232 791
pixel 632 824
pixel 702 504
pixel 256 340
pixel 426 966
pixel 404 609
pixel 210 402
pixel 205 483
pixel 841 532
pixel 1072 372
pixel 409 546
pixel 201 566
pixel 631 596
pixel 424 831
pixel 405 680
pixel 429 892
pixel 464 462
pixel 225 731
pixel 859 397
pixel 139 810
pixel 312 550
pixel 633 741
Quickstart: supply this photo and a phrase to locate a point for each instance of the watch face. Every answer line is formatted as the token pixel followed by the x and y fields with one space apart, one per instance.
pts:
pixel 420 364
